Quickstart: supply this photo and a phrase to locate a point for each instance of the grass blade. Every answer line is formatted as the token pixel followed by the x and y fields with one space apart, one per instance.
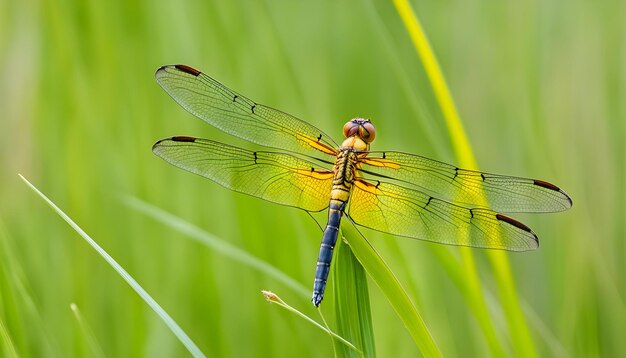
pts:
pixel 352 303
pixel 171 324
pixel 9 348
pixel 273 298
pixel 522 339
pixel 31 323
pixel 390 286
pixel 218 245
pixel 92 342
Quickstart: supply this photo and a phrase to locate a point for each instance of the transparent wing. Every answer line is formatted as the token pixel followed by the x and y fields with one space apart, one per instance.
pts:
pixel 237 115
pixel 406 212
pixel 276 177
pixel 467 187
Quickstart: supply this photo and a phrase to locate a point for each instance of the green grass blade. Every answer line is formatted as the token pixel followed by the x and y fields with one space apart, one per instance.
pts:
pixel 273 298
pixel 92 342
pixel 391 288
pixel 522 339
pixel 516 320
pixel 9 348
pixel 31 322
pixel 352 304
pixel 221 246
pixel 171 324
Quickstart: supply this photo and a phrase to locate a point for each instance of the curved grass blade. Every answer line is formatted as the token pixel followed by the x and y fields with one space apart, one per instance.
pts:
pixel 352 302
pixel 236 254
pixel 273 298
pixel 390 286
pixel 9 348
pixel 522 339
pixel 171 324
pixel 32 323
pixel 218 245
pixel 92 342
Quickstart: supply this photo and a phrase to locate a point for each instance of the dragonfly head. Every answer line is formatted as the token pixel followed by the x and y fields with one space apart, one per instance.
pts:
pixel 360 127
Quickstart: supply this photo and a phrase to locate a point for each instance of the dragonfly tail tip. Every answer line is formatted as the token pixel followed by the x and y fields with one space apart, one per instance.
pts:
pixel 317 299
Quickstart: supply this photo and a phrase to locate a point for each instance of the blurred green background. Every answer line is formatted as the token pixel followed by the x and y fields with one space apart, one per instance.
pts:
pixel 541 87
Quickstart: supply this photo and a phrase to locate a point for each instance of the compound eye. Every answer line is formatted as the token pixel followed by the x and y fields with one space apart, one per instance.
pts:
pixel 369 132
pixel 350 129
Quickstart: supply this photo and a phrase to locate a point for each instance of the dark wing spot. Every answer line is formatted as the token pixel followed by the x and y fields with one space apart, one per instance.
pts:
pixel 513 222
pixel 545 184
pixel 319 138
pixel 252 108
pixel 190 70
pixel 235 98
pixel 183 139
pixel 471 213
pixel 255 158
pixel 550 186
pixel 456 173
pixel 384 155
pixel 482 176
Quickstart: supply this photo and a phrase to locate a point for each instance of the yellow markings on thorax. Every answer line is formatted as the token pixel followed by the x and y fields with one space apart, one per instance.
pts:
pixel 380 162
pixel 315 143
pixel 344 174
pixel 355 142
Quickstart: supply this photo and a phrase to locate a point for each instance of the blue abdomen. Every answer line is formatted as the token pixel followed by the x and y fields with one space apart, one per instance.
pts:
pixel 326 250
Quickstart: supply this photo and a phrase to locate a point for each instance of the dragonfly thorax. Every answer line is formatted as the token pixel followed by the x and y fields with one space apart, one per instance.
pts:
pixel 355 144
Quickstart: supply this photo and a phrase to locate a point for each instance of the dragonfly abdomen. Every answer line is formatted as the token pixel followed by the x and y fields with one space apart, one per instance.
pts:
pixel 342 184
pixel 335 212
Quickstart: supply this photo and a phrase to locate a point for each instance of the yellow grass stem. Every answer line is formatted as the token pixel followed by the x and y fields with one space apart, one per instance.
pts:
pixel 274 298
pixel 522 340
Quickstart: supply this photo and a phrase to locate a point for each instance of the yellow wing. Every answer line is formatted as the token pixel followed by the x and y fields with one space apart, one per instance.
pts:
pixel 407 212
pixel 467 187
pixel 237 115
pixel 277 177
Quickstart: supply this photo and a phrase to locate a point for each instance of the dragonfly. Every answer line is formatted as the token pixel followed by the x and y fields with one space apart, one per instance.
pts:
pixel 389 191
